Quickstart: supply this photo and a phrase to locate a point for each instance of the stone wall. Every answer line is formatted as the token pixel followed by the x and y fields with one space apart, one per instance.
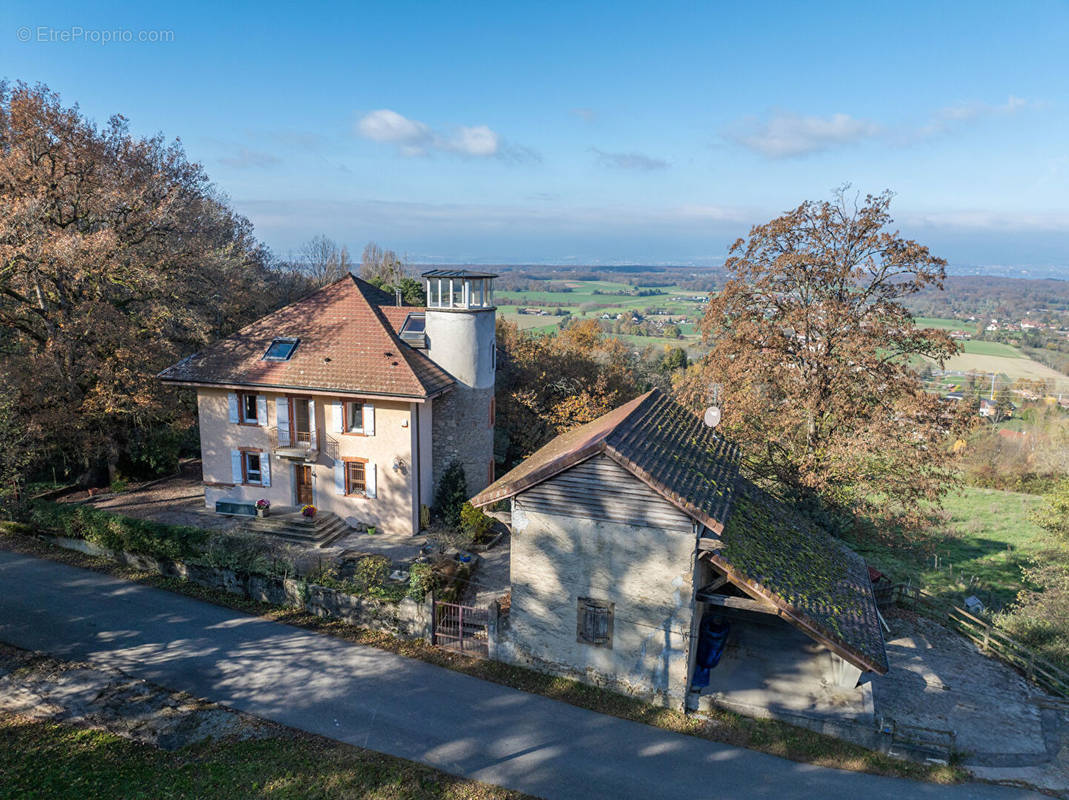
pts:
pixel 461 431
pixel 646 573
pixel 407 619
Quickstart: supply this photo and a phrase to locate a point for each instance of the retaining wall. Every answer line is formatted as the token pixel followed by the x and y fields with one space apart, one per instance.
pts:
pixel 407 619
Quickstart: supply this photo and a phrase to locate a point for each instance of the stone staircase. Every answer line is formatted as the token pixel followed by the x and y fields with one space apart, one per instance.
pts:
pixel 321 531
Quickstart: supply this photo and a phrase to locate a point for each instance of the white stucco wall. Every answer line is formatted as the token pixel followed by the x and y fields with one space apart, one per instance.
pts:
pixel 394 509
pixel 462 343
pixel 646 572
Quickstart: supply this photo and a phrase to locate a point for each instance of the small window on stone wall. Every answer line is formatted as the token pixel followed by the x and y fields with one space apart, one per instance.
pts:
pixel 594 624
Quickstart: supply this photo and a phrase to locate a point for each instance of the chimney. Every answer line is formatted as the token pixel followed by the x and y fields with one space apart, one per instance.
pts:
pixel 397 294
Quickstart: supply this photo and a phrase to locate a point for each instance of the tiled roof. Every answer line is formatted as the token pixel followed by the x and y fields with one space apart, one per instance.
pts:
pixel 657 440
pixel 816 581
pixel 348 343
pixel 768 549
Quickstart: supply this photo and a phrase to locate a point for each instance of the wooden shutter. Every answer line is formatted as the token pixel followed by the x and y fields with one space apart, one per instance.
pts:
pixel 261 410
pixel 338 412
pixel 312 423
pixel 282 412
pixel 369 419
pixel 369 479
pixel 339 477
pixel 265 469
pixel 232 402
pixel 235 466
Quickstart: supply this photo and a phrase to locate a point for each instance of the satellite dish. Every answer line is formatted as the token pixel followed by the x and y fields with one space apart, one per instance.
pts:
pixel 712 417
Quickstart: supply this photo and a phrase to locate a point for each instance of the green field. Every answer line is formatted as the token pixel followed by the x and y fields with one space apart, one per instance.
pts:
pixel 985 539
pixel 975 347
pixel 945 324
pixel 582 294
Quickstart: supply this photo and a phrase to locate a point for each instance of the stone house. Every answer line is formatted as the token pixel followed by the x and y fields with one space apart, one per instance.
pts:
pixel 349 401
pixel 635 537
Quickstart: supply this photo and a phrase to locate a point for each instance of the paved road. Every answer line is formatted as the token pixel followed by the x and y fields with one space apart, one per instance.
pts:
pixel 377 700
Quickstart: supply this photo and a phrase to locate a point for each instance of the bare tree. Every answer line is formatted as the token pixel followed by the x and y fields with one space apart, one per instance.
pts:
pixel 381 267
pixel 323 260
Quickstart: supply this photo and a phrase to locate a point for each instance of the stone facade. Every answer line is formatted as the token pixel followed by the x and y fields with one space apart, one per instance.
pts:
pixel 645 573
pixel 461 431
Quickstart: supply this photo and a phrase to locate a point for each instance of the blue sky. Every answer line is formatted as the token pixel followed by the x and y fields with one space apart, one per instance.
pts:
pixel 594 133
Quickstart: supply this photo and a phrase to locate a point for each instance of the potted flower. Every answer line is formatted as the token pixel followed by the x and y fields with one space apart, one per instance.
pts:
pixel 308 511
pixel 262 505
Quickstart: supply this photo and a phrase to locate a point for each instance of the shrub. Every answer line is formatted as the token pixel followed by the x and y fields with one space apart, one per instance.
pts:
pixel 452 494
pixel 422 580
pixel 475 523
pixel 119 533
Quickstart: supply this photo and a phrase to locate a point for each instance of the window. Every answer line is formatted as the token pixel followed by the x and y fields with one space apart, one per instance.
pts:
pixel 354 417
pixel 248 406
pixel 414 331
pixel 250 464
pixel 280 350
pixel 355 477
pixel 594 625
pixel 493 410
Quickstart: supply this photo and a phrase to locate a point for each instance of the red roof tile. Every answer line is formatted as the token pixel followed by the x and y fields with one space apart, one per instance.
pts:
pixel 348 343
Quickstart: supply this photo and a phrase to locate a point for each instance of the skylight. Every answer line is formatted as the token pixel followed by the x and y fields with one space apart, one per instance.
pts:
pixel 280 350
pixel 414 330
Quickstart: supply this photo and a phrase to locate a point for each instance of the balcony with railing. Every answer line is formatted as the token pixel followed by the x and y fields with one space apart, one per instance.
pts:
pixel 299 445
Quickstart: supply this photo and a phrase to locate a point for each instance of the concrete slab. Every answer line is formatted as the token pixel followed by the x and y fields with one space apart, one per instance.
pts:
pixel 770 667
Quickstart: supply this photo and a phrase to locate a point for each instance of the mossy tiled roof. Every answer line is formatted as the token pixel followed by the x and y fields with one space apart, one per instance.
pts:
pixel 655 439
pixel 815 581
pixel 768 549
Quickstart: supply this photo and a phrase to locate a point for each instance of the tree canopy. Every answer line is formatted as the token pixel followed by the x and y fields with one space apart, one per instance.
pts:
pixel 812 349
pixel 117 257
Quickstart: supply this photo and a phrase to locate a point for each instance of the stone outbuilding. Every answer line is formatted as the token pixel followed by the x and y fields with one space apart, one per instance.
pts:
pixel 643 560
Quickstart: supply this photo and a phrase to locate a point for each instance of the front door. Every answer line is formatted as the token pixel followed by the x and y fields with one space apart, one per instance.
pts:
pixel 304 484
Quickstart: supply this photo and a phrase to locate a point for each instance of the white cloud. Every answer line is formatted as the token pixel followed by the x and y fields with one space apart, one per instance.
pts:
pixel 477 140
pixel 414 138
pixel 952 116
pixel 637 161
pixel 785 134
pixel 385 125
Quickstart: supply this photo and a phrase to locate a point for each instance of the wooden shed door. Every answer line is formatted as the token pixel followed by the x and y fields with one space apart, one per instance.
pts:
pixel 304 484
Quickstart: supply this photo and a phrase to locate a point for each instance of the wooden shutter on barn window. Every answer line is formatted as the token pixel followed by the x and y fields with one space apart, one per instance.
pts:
pixel 265 470
pixel 369 419
pixel 235 467
pixel 338 413
pixel 594 623
pixel 339 478
pixel 312 423
pixel 261 410
pixel 232 403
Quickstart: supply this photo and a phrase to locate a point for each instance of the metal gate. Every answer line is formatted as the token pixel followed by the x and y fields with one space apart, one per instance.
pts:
pixel 461 628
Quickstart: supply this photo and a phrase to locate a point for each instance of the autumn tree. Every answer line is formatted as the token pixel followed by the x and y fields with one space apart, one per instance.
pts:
pixel 117 257
pixel 811 350
pixel 549 384
pixel 384 269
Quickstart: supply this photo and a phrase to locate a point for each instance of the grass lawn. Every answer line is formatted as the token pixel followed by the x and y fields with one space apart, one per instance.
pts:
pixel 987 535
pixel 55 761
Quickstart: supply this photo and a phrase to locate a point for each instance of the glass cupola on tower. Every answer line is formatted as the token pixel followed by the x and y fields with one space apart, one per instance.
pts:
pixel 459 289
